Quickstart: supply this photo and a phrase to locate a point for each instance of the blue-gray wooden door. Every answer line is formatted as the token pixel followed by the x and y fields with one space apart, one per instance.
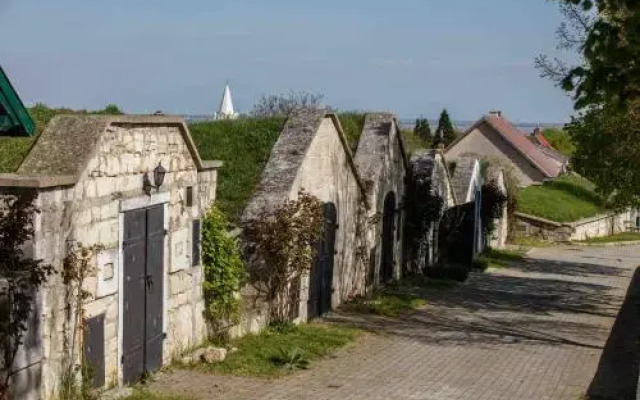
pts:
pixel 143 253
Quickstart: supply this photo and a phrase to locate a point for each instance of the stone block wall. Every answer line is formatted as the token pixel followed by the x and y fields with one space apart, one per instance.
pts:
pixel 90 212
pixel 381 163
pixel 327 174
pixel 530 226
pixel 599 226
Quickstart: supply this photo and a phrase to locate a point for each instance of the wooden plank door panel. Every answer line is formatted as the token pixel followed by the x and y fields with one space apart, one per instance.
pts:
pixel 134 255
pixel 154 289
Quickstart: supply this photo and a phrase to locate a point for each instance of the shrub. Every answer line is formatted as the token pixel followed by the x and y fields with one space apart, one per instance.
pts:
pixel 224 271
pixel 285 240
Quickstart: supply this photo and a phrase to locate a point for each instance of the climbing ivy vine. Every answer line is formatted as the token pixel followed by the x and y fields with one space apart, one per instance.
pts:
pixel 224 272
pixel 424 208
pixel 285 240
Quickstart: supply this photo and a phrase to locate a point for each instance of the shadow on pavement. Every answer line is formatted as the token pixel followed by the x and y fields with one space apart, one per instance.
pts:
pixel 618 369
pixel 504 308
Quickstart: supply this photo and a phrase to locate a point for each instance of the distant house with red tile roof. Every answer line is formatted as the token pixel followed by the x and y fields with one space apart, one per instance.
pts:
pixel 493 136
pixel 539 138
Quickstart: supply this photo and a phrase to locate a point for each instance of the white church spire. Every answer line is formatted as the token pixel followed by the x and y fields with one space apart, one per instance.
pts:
pixel 226 106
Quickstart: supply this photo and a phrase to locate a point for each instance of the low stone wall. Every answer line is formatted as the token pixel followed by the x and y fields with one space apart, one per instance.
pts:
pixel 598 226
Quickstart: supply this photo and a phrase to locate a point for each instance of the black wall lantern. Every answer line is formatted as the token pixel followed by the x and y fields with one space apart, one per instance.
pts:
pixel 158 178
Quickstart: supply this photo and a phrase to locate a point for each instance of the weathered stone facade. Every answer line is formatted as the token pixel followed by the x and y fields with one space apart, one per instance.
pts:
pixel 500 232
pixel 429 166
pixel 312 155
pixel 88 171
pixel 382 164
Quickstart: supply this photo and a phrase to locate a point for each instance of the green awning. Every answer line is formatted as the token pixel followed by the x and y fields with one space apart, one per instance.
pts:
pixel 14 117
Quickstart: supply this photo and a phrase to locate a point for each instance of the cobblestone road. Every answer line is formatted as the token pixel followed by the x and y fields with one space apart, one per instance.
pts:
pixel 533 331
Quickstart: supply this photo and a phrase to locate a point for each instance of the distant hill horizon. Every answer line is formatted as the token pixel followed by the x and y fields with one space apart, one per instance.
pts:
pixel 408 123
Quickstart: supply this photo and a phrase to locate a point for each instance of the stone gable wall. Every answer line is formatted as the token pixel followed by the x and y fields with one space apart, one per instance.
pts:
pixel 486 142
pixel 382 159
pixel 326 173
pixel 90 212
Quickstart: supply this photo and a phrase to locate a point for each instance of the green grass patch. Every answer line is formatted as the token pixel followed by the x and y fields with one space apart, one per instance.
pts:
pixel 244 145
pixel 620 237
pixel 271 353
pixel 400 297
pixel 566 199
pixel 496 258
pixel 352 125
pixel 560 140
pixel 12 151
pixel 147 395
pixel 413 142
pixel 386 304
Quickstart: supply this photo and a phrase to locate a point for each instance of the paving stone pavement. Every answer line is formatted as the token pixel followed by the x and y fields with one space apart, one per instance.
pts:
pixel 532 331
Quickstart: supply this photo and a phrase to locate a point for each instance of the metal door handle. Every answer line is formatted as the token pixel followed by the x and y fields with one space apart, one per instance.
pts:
pixel 149 281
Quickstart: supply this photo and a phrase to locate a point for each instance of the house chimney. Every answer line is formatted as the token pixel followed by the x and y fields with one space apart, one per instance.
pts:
pixel 497 113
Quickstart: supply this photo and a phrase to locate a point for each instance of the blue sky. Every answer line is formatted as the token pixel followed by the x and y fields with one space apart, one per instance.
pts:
pixel 412 57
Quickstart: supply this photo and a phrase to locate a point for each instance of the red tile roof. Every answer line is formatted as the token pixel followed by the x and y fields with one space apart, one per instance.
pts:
pixel 550 167
pixel 543 140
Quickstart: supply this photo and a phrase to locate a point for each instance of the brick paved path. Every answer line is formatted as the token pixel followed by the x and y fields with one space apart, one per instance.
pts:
pixel 534 331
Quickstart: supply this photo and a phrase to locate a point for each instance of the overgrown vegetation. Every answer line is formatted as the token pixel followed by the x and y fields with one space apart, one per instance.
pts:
pixel 352 125
pixel 12 151
pixel 413 142
pixel 244 145
pixel 285 242
pixel 492 204
pixel 424 207
pixel 567 199
pixel 76 376
pixel 224 273
pixel 20 278
pixel 280 349
pixel 42 114
pixel 559 139
pixel 619 237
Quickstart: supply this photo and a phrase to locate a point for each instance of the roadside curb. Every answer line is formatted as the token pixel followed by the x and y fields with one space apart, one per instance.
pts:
pixel 610 244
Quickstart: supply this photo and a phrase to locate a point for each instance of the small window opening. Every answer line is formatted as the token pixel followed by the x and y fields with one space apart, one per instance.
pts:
pixel 189 196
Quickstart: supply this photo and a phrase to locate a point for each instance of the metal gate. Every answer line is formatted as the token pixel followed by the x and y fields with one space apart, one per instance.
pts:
pixel 388 229
pixel 143 253
pixel 321 278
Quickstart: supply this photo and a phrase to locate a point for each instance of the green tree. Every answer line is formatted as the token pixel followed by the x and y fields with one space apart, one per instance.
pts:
pixel 560 140
pixel 610 72
pixel 606 90
pixel 422 129
pixel 608 151
pixel 444 124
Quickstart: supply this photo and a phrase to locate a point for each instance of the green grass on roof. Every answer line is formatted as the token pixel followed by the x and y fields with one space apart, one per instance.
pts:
pixel 244 145
pixel 567 199
pixel 12 151
pixel 413 142
pixel 352 125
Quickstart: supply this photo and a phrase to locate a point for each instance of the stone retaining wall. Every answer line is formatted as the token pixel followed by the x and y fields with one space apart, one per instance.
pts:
pixel 598 226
